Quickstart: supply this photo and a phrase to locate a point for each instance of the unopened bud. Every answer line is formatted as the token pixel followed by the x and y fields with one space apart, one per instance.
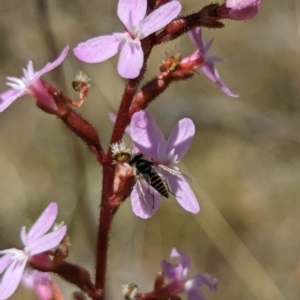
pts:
pixel 239 9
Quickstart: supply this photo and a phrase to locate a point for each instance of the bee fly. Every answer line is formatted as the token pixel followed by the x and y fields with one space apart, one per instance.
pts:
pixel 145 168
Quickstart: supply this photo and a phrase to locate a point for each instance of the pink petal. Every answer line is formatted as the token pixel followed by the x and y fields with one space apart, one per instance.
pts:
pixel 47 241
pixel 29 71
pixel 11 278
pixel 195 294
pixel 46 291
pixel 28 278
pixel 195 36
pixel 206 279
pixel 97 49
pixel 43 223
pixel 113 118
pixel 207 45
pixel 50 66
pixel 8 97
pixel 181 137
pixel 184 260
pixel 243 10
pixel 41 283
pixel 146 135
pixel 131 60
pixel 144 203
pixel 23 236
pixel 184 194
pixel 131 12
pixel 5 260
pixel 159 18
pixel 173 272
pixel 211 72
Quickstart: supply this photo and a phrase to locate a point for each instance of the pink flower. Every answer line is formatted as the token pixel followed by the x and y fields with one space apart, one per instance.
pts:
pixel 148 138
pixel 31 84
pixel 36 241
pixel 41 283
pixel 138 26
pixel 201 59
pixel 239 10
pixel 180 283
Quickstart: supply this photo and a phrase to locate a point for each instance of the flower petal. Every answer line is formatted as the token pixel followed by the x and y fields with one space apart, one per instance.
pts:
pixel 23 236
pixel 145 200
pixel 43 223
pixel 173 272
pixel 28 278
pixel 211 72
pixel 184 260
pixel 113 118
pixel 97 49
pixel 207 45
pixel 159 18
pixel 29 71
pixel 206 279
pixel 146 135
pixel 5 260
pixel 47 241
pixel 131 12
pixel 195 36
pixel 184 194
pixel 11 278
pixel 40 282
pixel 195 294
pixel 8 97
pixel 243 10
pixel 181 137
pixel 50 66
pixel 131 60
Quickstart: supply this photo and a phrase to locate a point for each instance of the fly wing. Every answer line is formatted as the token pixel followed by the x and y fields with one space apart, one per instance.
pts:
pixel 174 172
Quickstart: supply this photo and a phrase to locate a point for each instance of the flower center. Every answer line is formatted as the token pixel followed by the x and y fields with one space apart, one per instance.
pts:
pixel 19 254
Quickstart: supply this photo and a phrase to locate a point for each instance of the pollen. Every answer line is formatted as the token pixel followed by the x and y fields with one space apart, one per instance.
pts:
pixel 81 85
pixel 130 291
pixel 80 76
pixel 120 152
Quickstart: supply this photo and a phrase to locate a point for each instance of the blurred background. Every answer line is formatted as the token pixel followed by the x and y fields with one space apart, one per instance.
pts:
pixel 244 161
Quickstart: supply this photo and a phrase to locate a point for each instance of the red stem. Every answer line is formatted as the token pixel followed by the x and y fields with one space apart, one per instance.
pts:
pixel 123 119
pixel 106 216
pixel 108 205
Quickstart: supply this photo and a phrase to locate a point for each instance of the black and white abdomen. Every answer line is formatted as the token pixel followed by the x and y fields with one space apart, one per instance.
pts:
pixel 144 168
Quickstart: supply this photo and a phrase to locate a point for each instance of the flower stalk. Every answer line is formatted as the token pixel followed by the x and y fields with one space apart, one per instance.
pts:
pixel 147 24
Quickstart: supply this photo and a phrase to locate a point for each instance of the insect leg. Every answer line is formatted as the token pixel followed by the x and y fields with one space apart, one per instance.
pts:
pixel 168 187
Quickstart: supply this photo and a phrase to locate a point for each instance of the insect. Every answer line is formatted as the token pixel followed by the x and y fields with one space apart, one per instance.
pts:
pixel 144 168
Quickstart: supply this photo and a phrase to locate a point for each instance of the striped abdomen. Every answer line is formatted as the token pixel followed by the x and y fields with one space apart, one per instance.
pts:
pixel 157 183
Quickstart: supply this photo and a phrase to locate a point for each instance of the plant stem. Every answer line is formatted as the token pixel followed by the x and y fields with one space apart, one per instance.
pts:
pixel 106 216
pixel 108 205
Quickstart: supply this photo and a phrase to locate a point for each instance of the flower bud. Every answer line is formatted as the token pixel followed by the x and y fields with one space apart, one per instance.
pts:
pixel 239 9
